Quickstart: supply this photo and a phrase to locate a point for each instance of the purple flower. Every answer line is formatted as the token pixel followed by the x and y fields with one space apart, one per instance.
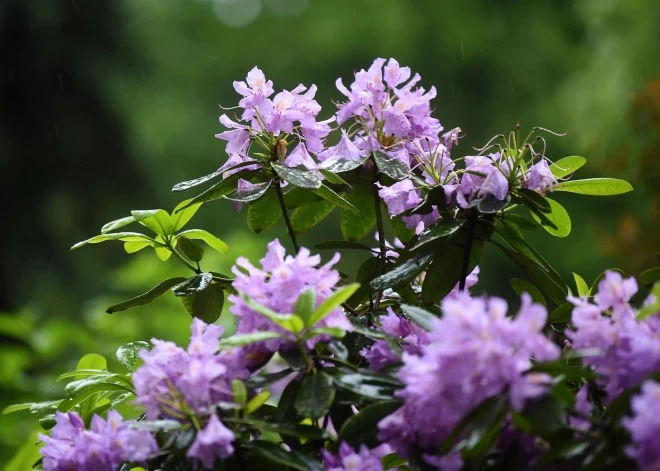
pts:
pixel 214 441
pixel 255 90
pixel 474 352
pixel 237 139
pixel 173 380
pixel 348 460
pixel 399 197
pixel 277 285
pixel 630 348
pixel 644 427
pixel 344 150
pixel 494 184
pixel 103 448
pixel 299 156
pixel 540 177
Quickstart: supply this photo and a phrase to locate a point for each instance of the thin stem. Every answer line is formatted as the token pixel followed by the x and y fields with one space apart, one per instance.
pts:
pixel 472 222
pixel 285 213
pixel 379 226
pixel 182 258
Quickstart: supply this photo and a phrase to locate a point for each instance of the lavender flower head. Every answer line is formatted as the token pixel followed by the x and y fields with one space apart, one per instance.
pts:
pixel 644 427
pixel 348 459
pixel 474 352
pixel 173 382
pixel 212 442
pixel 630 348
pixel 104 447
pixel 277 285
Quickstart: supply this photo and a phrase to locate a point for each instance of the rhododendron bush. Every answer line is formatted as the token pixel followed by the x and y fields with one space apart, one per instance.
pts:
pixel 397 366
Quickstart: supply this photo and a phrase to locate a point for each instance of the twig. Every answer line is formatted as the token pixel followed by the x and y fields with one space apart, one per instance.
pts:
pixel 285 213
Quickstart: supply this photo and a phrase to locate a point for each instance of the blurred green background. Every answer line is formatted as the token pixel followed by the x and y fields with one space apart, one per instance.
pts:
pixel 106 104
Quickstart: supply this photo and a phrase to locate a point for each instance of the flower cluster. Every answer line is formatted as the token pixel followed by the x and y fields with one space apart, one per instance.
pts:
pixel 474 352
pixel 277 286
pixel 180 384
pixel 104 447
pixel 286 113
pixel 644 427
pixel 348 460
pixel 630 348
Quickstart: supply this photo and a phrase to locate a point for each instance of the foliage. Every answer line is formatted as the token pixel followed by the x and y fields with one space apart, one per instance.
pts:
pixel 400 368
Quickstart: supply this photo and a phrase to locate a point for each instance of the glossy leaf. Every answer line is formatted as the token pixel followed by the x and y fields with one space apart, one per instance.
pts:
pixel 308 216
pixel 393 168
pixel 315 396
pixel 443 229
pixel 129 354
pixel 419 316
pixel 132 247
pixel 246 196
pixel 362 428
pixel 191 250
pixel 524 286
pixel 343 165
pixel 331 196
pixel 534 199
pixel 581 285
pixel 365 275
pixel 356 226
pixel 306 305
pixel 274 453
pixel 256 402
pixel 207 237
pixel 491 205
pixel 561 315
pixel 193 284
pixel 368 384
pixel 559 221
pixel 341 245
pixel 183 213
pixel 239 340
pixel 163 253
pixel 116 224
pixel 92 361
pixel 443 273
pixel 520 222
pixel 333 177
pixel 157 220
pixel 596 186
pixel 205 304
pixel 123 236
pixel 265 213
pixel 332 302
pixel 148 297
pixel 221 188
pixel 196 181
pixel 567 165
pixel 295 197
pixel 298 177
pixel 402 272
pixel 289 322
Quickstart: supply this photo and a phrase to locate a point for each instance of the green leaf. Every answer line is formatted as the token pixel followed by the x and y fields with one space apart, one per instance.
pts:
pixel 524 286
pixel 247 196
pixel 329 195
pixel 402 272
pixel 26 455
pixel 295 197
pixel 17 407
pixel 298 177
pixel 653 308
pixel 308 216
pixel 205 304
pixel 129 354
pixel 393 168
pixel 191 250
pixel 341 165
pixel 333 177
pixel 362 428
pixel 533 199
pixel 567 165
pixel 581 285
pixel 239 392
pixel 95 384
pixel 201 180
pixel 221 188
pixel 443 229
pixel 256 402
pixel 520 222
pixel 116 224
pixel 193 284
pixel 82 373
pixel 491 205
pixel 289 322
pixel 561 315
pixel 365 275
pixel 400 230
pixel 132 247
pixel 355 226
pixel 157 220
pixel 331 303
pixel 315 396
pixel 368 384
pixel 239 340
pixel 265 213
pixel 650 277
pixel 392 461
pixel 443 273
pixel 123 236
pixel 207 237
pixel 419 316
pixel 163 253
pixel 334 332
pixel 274 453
pixel 558 217
pixel 92 361
pixel 305 305
pixel 148 297
pixel 183 212
pixel 596 186
pixel 341 245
